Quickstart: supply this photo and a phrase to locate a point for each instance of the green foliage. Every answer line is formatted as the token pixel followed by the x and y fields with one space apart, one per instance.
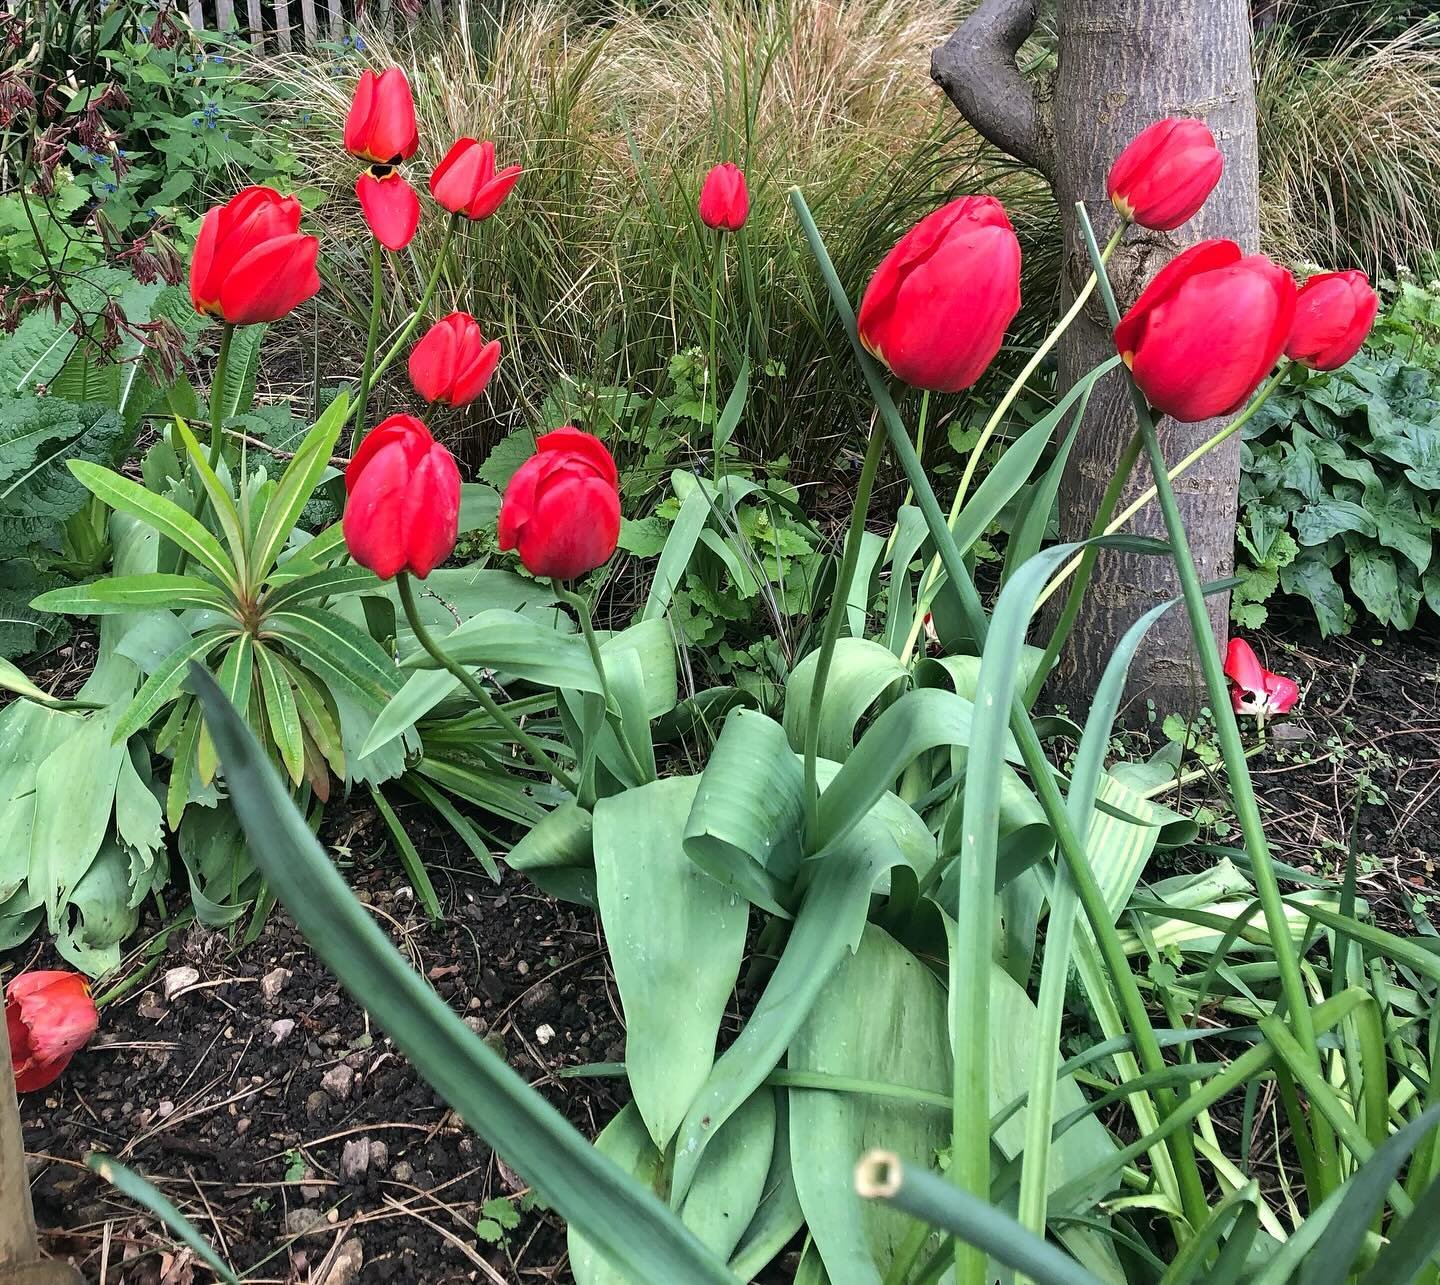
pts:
pixel 1340 497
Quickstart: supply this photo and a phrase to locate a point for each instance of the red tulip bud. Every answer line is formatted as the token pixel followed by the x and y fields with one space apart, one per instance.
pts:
pixel 47 1017
pixel 403 510
pixel 466 182
pixel 1254 689
pixel 1163 177
pixel 724 199
pixel 562 508
pixel 251 261
pixel 381 125
pixel 389 204
pixel 1333 315
pixel 1207 330
pixel 936 309
pixel 452 363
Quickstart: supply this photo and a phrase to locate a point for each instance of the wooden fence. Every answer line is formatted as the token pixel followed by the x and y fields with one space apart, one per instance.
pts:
pixel 290 24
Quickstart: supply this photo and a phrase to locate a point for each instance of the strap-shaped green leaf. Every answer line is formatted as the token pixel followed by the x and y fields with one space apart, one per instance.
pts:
pixel 165 516
pixel 234 676
pixel 221 501
pixel 281 713
pixel 167 679
pixel 316 714
pixel 297 484
pixel 332 582
pixel 120 594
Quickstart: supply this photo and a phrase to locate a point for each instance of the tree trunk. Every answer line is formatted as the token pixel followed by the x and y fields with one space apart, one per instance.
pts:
pixel 1124 64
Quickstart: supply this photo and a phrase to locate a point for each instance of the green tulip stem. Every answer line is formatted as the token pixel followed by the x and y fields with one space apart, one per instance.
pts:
pixel 372 340
pixel 839 605
pixel 929 583
pixel 428 294
pixel 217 392
pixel 473 685
pixel 1242 791
pixel 581 608
pixel 710 399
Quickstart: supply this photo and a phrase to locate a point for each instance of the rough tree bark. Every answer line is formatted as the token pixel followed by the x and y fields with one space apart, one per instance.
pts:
pixel 1123 64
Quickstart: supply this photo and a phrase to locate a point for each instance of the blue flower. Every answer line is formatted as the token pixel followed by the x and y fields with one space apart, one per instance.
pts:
pixel 359 44
pixel 151 212
pixel 101 160
pixel 216 58
pixel 109 187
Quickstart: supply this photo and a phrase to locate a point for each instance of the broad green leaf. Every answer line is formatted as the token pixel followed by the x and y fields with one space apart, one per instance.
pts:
pixel 558 854
pixel 734 407
pixel 596 1197
pixel 241 373
pixel 861 672
pixel 626 1142
pixel 675 937
pixel 149 592
pixel 13 679
pixel 731 1181
pixel 779 1215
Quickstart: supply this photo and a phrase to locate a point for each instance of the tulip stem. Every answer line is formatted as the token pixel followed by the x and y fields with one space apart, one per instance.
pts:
pixel 217 392
pixel 393 351
pixel 372 340
pixel 473 685
pixel 1232 748
pixel 839 606
pixel 930 582
pixel 587 627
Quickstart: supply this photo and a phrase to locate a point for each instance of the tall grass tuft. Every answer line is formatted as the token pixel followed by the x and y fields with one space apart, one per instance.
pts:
pixel 597 271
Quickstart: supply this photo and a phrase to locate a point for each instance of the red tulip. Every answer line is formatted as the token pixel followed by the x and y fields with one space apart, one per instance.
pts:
pixel 1163 177
pixel 47 1017
pixel 1254 689
pixel 937 307
pixel 251 262
pixel 452 363
pixel 403 510
pixel 381 125
pixel 562 509
pixel 1207 330
pixel 389 204
pixel 465 182
pixel 724 198
pixel 1333 315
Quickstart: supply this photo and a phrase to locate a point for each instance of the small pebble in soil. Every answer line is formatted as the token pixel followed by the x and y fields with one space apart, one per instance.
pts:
pixel 355 1159
pixel 544 1034
pixel 281 1028
pixel 274 982
pixel 317 1105
pixel 177 979
pixel 403 1171
pixel 338 1082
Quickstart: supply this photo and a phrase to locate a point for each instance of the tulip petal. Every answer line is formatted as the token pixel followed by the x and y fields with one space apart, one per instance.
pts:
pixel 391 208
pixel 432 361
pixel 271 280
pixel 431 511
pixel 572 441
pixel 471 382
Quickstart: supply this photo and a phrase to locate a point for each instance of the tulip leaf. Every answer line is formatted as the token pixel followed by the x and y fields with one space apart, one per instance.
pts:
pixel 675 556
pixel 676 937
pixel 861 672
pixel 13 679
pixel 779 1215
pixel 557 854
pixel 730 1183
pixel 734 407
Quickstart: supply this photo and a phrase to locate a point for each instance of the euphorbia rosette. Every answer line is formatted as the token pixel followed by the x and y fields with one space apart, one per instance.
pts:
pixel 452 363
pixel 1207 330
pixel 251 261
pixel 1334 312
pixel 936 309
pixel 561 510
pixel 1253 688
pixel 403 507
pixel 466 182
pixel 724 198
pixel 1163 177
pixel 48 1015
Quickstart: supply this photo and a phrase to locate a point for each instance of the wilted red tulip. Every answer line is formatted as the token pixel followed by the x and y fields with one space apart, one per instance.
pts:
pixel 1254 689
pixel 1207 330
pixel 724 198
pixel 390 206
pixel 465 182
pixel 381 125
pixel 403 509
pixel 452 363
pixel 47 1017
pixel 937 307
pixel 251 262
pixel 1163 177
pixel 1333 315
pixel 562 508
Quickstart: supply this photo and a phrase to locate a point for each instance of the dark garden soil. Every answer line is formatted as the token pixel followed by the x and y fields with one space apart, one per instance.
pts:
pixel 246 1084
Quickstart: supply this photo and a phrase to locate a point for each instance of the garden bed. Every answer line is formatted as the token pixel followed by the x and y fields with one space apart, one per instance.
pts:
pixel 262 1102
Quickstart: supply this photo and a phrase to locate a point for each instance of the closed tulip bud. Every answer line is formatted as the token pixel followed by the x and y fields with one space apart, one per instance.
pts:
pixel 1253 688
pixel 724 199
pixel 251 261
pixel 1207 330
pixel 452 363
pixel 1162 179
pixel 1333 315
pixel 403 507
pixel 381 125
pixel 47 1017
pixel 389 204
pixel 561 510
pixel 936 309
pixel 466 181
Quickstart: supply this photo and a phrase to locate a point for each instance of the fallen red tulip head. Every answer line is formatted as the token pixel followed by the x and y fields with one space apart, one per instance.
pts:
pixel 466 181
pixel 402 511
pixel 1334 312
pixel 1253 688
pixel 380 127
pixel 251 261
pixel 1163 177
pixel 452 363
pixel 561 510
pixel 724 198
pixel 48 1015
pixel 389 204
